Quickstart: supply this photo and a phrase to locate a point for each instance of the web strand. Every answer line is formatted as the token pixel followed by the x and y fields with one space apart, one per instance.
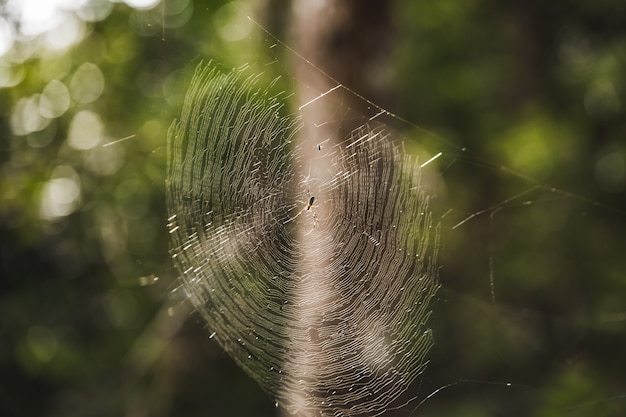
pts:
pixel 326 311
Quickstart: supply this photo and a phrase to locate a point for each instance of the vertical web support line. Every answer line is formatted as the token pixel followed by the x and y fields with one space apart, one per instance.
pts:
pixel 313 268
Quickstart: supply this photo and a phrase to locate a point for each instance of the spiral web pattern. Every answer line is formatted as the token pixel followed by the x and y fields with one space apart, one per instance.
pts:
pixel 323 299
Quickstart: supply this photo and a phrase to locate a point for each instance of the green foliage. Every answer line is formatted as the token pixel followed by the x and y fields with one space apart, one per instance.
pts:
pixel 537 87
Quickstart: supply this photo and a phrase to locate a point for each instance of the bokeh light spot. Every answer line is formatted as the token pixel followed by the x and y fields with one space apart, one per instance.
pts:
pixel 61 194
pixel 86 130
pixel 70 31
pixel 141 4
pixel 610 172
pixel 177 13
pixel 231 23
pixel 7 36
pixel 54 100
pixel 43 137
pixel 43 343
pixel 601 100
pixel 26 118
pixel 10 76
pixel 87 83
pixel 35 16
pixel 95 10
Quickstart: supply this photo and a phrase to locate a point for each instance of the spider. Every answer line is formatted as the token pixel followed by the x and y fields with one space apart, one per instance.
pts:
pixel 309 207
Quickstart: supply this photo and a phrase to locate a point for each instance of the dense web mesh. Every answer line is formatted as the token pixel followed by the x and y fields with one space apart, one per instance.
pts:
pixel 318 288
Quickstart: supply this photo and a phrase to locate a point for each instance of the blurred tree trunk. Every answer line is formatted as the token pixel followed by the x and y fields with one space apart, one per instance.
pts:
pixel 348 40
pixel 532 33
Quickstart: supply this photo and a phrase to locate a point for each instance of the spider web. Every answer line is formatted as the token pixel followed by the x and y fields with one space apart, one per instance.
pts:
pixel 318 286
pixel 260 204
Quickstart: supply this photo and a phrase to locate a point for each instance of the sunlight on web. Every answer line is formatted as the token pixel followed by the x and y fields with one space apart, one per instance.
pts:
pixel 285 230
pixel 321 296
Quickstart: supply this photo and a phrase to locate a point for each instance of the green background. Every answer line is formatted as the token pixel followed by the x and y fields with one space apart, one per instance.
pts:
pixel 525 87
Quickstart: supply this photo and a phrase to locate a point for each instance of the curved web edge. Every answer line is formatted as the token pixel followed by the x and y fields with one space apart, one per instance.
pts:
pixel 327 309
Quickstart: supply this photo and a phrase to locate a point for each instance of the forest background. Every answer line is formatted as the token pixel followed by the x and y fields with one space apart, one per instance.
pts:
pixel 90 324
